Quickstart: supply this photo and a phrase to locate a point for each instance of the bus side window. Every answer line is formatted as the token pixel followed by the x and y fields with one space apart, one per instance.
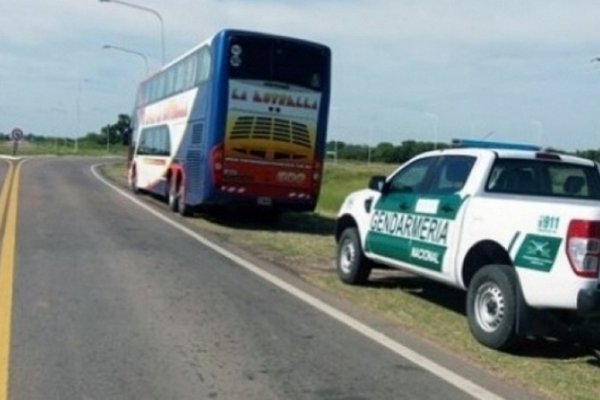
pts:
pixel 162 86
pixel 203 69
pixel 180 77
pixel 191 71
pixel 163 142
pixel 154 89
pixel 155 141
pixel 143 148
pixel 169 81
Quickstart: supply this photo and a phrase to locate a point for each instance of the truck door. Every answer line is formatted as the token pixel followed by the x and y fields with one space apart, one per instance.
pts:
pixel 393 215
pixel 415 229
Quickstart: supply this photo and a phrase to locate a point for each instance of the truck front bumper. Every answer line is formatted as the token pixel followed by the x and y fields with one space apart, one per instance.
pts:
pixel 588 301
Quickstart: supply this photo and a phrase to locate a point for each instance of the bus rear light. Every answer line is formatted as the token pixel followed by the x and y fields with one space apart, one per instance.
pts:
pixel 301 196
pixel 216 162
pixel 317 175
pixel 317 171
pixel 232 189
pixel 583 247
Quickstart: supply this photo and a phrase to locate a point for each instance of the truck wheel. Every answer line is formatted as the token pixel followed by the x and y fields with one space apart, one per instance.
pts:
pixel 492 306
pixel 596 353
pixel 352 266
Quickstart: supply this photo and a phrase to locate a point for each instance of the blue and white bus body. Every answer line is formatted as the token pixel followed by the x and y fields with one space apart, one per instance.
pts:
pixel 228 141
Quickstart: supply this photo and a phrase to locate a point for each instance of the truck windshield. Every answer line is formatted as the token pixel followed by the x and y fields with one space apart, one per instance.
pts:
pixel 544 178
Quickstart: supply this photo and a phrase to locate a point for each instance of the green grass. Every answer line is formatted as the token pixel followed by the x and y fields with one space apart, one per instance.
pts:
pixel 344 177
pixel 303 242
pixel 556 369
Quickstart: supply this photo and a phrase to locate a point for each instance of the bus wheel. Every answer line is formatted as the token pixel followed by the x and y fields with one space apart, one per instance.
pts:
pixel 133 183
pixel 172 196
pixel 185 210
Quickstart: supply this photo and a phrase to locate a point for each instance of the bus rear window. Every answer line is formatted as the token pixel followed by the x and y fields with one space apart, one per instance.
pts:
pixel 544 178
pixel 279 61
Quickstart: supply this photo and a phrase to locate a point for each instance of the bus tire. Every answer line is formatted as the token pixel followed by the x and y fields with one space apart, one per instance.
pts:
pixel 133 186
pixel 492 303
pixel 351 264
pixel 172 196
pixel 185 210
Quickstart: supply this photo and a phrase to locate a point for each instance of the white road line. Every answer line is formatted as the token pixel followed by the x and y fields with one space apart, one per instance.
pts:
pixel 452 378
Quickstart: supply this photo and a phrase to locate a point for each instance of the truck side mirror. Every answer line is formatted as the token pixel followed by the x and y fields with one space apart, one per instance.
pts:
pixel 377 183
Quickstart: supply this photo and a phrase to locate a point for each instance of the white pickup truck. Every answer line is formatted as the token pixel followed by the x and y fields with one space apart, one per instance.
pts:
pixel 518 229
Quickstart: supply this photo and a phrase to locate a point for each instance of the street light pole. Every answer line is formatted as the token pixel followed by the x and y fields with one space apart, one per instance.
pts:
pixel 137 53
pixel 153 12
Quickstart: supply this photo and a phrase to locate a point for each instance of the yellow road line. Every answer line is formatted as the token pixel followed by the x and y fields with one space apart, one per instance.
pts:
pixel 5 190
pixel 8 207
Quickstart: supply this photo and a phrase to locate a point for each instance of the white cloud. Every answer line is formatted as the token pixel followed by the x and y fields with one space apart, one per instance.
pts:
pixel 383 21
pixel 469 60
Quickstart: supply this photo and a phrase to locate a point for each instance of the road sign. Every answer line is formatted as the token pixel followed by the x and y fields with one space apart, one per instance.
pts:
pixel 16 134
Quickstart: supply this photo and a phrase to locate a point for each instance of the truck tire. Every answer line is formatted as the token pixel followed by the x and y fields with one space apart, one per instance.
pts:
pixel 352 266
pixel 492 303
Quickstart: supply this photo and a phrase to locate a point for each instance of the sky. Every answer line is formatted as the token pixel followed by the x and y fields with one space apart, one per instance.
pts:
pixel 515 70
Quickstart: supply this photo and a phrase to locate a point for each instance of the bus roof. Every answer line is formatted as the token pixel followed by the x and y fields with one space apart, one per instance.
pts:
pixel 229 32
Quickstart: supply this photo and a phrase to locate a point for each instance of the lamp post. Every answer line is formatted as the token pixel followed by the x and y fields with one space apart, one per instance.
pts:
pixel 153 12
pixel 137 53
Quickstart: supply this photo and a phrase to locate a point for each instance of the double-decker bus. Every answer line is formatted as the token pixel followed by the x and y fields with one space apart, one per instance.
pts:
pixel 239 119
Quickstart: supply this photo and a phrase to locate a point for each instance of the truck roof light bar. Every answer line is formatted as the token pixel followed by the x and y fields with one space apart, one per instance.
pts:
pixel 484 144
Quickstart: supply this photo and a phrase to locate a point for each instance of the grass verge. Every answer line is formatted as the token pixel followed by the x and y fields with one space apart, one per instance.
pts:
pixel 305 244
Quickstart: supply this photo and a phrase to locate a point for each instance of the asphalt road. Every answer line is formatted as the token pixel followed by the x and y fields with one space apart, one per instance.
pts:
pixel 111 303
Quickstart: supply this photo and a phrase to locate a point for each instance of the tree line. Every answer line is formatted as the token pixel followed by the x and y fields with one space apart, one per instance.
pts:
pixel 113 133
pixel 386 152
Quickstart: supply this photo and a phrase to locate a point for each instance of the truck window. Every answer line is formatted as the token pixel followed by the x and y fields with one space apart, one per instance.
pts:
pixel 413 178
pixel 451 174
pixel 544 178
